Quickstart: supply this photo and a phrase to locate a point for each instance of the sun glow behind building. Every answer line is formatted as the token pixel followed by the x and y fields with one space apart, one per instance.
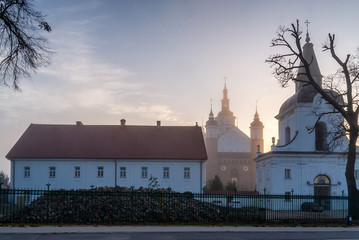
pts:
pixel 164 60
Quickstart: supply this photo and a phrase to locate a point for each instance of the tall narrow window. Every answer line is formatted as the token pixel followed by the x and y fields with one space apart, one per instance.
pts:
pixel 321 137
pixel 287 135
pixel 100 171
pixel 287 174
pixel 166 172
pixel 122 172
pixel 26 172
pixel 186 173
pixel 52 172
pixel 144 172
pixel 356 174
pixel 77 172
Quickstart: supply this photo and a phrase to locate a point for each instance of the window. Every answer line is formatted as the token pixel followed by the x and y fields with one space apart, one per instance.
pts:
pixel 122 172
pixel 144 172
pixel 287 174
pixel 356 174
pixel 322 180
pixel 100 171
pixel 321 137
pixel 26 172
pixel 166 172
pixel 52 172
pixel 287 196
pixel 186 173
pixel 287 135
pixel 77 172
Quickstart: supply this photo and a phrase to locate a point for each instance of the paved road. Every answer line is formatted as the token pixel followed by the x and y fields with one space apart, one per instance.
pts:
pixel 183 235
pixel 174 233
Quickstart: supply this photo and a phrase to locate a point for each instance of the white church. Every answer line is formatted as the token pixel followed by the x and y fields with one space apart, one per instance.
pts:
pixel 304 160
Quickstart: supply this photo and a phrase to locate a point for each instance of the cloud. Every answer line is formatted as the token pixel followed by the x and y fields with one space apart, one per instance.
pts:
pixel 79 84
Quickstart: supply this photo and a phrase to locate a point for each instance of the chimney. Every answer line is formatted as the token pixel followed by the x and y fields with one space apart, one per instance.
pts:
pixel 123 122
pixel 158 123
pixel 79 123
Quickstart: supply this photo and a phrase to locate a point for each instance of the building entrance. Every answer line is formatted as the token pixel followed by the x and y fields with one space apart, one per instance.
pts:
pixel 322 191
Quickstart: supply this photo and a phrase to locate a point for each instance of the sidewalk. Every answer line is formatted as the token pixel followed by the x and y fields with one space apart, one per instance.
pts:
pixel 115 229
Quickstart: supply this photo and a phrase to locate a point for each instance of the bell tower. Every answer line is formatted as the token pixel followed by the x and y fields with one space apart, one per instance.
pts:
pixel 256 135
pixel 211 141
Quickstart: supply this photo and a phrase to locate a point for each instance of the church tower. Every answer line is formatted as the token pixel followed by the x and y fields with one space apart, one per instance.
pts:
pixel 225 117
pixel 256 135
pixel 256 140
pixel 211 141
pixel 229 149
pixel 300 161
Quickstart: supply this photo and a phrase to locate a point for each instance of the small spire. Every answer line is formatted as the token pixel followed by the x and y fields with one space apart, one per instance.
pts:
pixel 307 39
pixel 225 82
pixel 211 121
pixel 256 115
pixel 211 112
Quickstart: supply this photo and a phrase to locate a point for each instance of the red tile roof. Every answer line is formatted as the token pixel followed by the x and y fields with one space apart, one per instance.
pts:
pixel 110 142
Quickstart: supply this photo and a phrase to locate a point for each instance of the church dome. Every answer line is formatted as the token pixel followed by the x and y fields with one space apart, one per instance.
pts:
pixel 256 122
pixel 304 91
pixel 211 121
pixel 304 95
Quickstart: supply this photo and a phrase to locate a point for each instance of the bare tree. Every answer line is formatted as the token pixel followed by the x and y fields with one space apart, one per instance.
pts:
pixel 22 48
pixel 341 90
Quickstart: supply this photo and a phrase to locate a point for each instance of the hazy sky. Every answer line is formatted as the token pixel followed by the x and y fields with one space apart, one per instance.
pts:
pixel 164 60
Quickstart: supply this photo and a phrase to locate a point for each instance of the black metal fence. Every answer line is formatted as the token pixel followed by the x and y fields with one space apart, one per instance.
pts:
pixel 125 206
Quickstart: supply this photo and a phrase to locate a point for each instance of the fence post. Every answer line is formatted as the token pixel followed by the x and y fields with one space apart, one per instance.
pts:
pixel 292 199
pixel 2 202
pixel 48 196
pixel 265 204
pixel 343 204
pixel 132 187
pixel 91 198
pixel 168 217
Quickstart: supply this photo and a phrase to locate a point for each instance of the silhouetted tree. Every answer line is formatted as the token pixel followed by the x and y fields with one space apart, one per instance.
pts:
pixel 4 179
pixel 343 94
pixel 215 184
pixel 230 186
pixel 22 48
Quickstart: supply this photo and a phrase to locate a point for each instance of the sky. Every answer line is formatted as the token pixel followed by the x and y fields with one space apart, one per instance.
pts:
pixel 149 60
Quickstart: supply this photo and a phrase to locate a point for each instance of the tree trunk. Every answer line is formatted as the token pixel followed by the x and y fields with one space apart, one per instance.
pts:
pixel 353 193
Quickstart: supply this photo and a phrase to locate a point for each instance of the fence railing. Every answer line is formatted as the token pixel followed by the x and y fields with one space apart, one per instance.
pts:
pixel 123 205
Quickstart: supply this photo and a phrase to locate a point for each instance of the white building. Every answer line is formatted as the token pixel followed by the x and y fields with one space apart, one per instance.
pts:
pixel 305 161
pixel 80 156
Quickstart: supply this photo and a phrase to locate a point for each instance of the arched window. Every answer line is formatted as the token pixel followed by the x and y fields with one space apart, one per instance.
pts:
pixel 322 180
pixel 287 135
pixel 321 137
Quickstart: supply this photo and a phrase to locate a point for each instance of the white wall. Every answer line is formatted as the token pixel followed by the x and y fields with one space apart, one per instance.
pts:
pixel 65 174
pixel 176 180
pixel 303 117
pixel 304 168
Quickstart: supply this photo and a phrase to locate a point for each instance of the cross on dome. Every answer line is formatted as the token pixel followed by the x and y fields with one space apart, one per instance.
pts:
pixel 307 39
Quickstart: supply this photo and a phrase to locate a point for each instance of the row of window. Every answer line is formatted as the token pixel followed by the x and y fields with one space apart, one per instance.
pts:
pixel 288 175
pixel 100 172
